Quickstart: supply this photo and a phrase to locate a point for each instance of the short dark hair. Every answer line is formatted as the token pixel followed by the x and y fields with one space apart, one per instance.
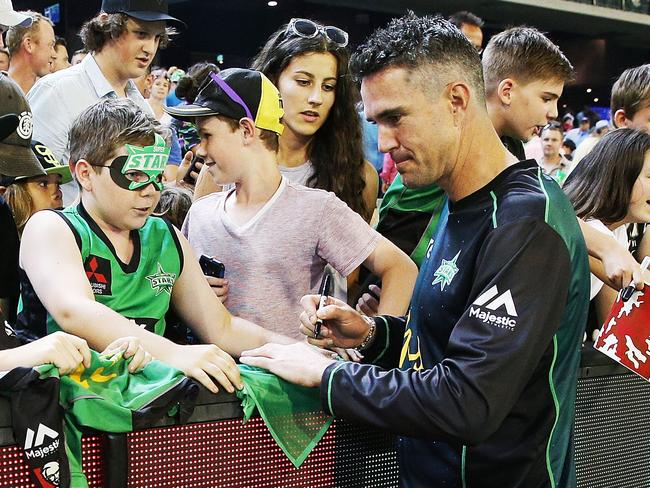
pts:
pixel 414 42
pixel 601 185
pixel 569 143
pixel 60 41
pixel 526 54
pixel 96 32
pixel 465 17
pixel 631 91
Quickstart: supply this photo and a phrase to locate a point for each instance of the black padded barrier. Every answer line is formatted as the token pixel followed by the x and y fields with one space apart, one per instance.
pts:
pixel 612 440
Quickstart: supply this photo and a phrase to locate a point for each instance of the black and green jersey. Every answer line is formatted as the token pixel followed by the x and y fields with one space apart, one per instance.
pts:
pixel 485 366
pixel 139 290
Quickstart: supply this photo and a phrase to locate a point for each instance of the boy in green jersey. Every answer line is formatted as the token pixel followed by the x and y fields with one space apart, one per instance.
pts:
pixel 110 270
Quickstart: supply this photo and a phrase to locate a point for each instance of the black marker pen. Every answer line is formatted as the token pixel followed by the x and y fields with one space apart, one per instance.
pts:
pixel 323 291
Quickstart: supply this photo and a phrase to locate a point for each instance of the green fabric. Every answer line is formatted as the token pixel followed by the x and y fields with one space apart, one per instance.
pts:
pixel 429 200
pixel 104 396
pixel 292 413
pixel 143 293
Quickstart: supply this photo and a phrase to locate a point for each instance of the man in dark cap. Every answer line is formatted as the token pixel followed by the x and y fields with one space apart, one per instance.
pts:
pixel 123 40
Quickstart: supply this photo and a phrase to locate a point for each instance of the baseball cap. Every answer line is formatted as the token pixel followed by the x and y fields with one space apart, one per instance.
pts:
pixel 584 119
pixel 236 93
pixel 50 164
pixel 9 17
pixel 601 124
pixel 16 155
pixel 146 10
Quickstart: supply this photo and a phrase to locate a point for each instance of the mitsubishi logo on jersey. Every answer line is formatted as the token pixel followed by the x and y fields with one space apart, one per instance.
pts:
pixel 491 301
pixel 98 272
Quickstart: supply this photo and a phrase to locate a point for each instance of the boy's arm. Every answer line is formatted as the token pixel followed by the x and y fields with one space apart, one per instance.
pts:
pixel 397 273
pixel 200 309
pixel 57 275
pixel 618 267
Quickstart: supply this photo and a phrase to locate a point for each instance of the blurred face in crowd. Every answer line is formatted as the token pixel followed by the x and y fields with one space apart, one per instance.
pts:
pixel 409 118
pixel 61 60
pixel 43 53
pixel 639 209
pixel 551 142
pixel 45 192
pixel 567 150
pixel 160 88
pixel 640 120
pixel 220 149
pixel 474 34
pixel 308 89
pixel 4 61
pixel 117 207
pixel 135 49
pixel 532 106
pixel 77 58
pixel 144 84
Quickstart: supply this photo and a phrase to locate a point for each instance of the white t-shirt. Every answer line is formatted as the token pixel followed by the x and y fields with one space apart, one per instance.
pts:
pixel 620 234
pixel 280 254
pixel 298 174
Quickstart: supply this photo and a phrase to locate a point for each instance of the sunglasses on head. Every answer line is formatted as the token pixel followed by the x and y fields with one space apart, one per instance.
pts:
pixel 309 29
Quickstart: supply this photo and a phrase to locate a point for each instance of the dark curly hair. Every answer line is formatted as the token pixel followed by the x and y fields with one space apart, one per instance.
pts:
pixel 336 150
pixel 96 32
pixel 414 42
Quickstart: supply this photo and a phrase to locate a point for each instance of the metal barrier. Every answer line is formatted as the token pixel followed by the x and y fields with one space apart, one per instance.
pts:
pixel 612 439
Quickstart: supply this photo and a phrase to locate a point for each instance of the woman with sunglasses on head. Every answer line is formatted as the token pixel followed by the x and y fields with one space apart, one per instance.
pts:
pixel 321 146
pixel 609 189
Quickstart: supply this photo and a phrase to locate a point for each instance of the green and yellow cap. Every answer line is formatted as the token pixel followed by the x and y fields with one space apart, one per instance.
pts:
pixel 236 93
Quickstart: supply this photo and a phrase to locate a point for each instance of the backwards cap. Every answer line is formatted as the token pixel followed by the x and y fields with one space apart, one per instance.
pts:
pixel 236 93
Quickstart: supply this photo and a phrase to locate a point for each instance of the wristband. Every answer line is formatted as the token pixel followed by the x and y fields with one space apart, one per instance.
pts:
pixel 371 333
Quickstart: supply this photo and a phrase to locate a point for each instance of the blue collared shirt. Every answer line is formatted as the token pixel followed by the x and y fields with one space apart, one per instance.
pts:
pixel 57 99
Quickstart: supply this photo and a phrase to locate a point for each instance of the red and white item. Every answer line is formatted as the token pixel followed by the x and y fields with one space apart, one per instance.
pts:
pixel 625 335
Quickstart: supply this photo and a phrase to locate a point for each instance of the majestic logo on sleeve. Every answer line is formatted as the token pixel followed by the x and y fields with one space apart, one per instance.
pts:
pixel 161 281
pixel 42 443
pixel 490 308
pixel 98 271
pixel 446 272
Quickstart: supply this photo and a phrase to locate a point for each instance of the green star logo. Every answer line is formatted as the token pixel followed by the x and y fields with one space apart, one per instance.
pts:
pixel 446 272
pixel 161 281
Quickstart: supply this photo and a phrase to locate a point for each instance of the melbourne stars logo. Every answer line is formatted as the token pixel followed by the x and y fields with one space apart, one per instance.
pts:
pixel 446 272
pixel 162 281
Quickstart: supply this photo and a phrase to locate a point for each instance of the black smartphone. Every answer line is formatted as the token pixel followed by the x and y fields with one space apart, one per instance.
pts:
pixel 212 267
pixel 188 178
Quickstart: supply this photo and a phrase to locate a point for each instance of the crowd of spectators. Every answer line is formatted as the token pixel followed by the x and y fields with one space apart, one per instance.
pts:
pixel 117 175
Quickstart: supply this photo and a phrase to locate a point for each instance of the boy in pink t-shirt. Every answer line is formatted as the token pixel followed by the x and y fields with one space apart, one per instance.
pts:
pixel 274 237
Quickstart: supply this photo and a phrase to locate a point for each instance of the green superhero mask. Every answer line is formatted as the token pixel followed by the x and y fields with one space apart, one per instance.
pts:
pixel 141 166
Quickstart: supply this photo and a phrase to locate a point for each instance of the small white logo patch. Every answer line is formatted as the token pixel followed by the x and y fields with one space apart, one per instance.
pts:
pixel 25 125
